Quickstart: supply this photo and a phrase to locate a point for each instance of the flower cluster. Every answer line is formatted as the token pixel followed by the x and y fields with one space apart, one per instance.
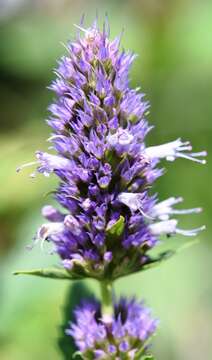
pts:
pixel 110 220
pixel 125 337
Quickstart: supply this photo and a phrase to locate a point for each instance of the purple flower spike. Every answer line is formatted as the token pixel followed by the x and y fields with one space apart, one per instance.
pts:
pixel 99 125
pixel 131 327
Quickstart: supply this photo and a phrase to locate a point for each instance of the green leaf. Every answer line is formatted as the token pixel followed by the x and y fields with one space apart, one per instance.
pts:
pixel 77 353
pixel 52 273
pixel 117 228
pixel 166 255
pixel 66 344
pixel 159 259
pixel 140 354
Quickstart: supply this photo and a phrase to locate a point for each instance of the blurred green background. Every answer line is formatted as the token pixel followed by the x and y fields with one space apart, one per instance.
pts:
pixel 174 68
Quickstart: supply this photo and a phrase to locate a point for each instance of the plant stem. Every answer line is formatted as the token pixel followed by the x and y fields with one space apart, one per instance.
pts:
pixel 107 298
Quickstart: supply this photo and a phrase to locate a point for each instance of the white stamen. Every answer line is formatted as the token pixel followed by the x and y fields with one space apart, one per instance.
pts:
pixel 193 156
pixel 170 151
pixel 187 211
pixel 32 163
pixel 53 137
pixel 192 232
pixel 81 28
pixel 90 34
pixel 169 227
pixel 164 209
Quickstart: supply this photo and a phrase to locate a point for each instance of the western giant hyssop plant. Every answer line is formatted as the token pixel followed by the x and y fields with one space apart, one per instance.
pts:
pixel 108 219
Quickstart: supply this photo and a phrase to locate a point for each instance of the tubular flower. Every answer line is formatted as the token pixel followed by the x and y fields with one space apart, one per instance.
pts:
pixel 110 220
pixel 126 336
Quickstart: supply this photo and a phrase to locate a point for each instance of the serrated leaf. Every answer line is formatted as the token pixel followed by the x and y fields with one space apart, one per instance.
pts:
pixel 159 259
pixel 117 228
pixel 152 262
pixel 166 255
pixel 52 273
pixel 162 257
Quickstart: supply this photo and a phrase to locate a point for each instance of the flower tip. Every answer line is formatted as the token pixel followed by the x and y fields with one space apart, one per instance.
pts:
pixel 107 319
pixel 79 28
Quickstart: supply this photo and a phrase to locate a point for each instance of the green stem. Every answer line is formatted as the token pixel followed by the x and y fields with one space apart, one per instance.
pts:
pixel 107 297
